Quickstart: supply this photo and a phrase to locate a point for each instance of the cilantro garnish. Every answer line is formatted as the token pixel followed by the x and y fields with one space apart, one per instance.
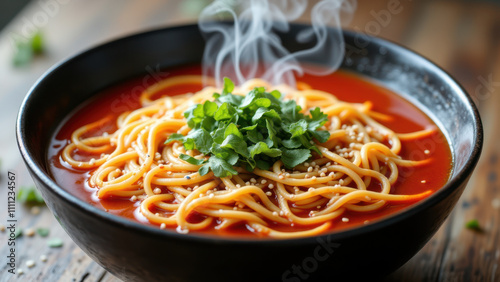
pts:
pixel 250 131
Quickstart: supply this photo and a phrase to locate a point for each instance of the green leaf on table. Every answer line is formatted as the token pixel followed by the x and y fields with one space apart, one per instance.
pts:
pixel 473 225
pixel 18 232
pixel 43 232
pixel 27 48
pixel 29 195
pixel 55 243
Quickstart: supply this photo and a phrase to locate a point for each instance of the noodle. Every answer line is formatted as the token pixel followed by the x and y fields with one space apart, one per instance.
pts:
pixel 358 166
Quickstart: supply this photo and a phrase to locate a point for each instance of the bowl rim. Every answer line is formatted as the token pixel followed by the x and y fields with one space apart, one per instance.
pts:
pixel 452 184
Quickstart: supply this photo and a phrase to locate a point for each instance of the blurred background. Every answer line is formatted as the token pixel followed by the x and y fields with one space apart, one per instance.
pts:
pixel 462 37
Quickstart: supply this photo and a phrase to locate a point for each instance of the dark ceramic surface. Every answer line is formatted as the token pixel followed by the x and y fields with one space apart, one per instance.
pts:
pixel 134 252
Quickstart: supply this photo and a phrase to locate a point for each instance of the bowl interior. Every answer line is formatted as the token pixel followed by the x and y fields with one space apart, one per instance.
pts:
pixel 70 83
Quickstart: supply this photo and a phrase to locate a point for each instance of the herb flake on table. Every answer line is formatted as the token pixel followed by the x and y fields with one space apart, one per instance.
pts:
pixel 29 195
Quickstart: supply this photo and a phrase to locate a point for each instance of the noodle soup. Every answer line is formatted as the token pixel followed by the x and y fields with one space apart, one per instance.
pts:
pixel 381 156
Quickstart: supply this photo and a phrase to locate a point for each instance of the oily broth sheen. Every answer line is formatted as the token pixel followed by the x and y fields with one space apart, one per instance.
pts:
pixel 345 86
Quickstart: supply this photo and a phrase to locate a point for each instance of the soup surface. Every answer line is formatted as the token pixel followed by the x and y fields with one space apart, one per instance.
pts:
pixel 405 118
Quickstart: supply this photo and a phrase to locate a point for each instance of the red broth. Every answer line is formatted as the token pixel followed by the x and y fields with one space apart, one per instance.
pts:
pixel 346 86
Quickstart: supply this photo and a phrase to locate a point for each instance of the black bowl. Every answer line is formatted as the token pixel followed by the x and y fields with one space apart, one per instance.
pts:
pixel 132 251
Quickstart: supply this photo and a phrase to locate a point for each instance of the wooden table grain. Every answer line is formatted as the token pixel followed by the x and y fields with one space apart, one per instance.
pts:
pixel 463 37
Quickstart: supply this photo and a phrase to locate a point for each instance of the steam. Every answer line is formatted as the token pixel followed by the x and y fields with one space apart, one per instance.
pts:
pixel 246 46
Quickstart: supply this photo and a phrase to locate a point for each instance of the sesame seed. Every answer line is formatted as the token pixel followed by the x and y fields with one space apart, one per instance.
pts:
pixel 313 163
pixel 313 178
pixel 318 207
pixel 309 169
pixel 29 232
pixel 247 183
pixel 35 210
pixel 307 176
pixel 252 180
pixel 427 152
pixel 211 195
pixel 282 213
pixel 423 181
pixel 331 174
pixel 322 174
pixel 235 208
pixel 341 181
pixel 162 226
pixel 92 161
pixel 345 219
pixel 310 189
pixel 268 193
pixel 238 186
pixel 275 213
pixel 157 214
pixel 281 176
pixel 287 174
pixel 306 164
pixel 157 190
pixel 30 263
pixel 271 186
pixel 43 258
pixel 263 181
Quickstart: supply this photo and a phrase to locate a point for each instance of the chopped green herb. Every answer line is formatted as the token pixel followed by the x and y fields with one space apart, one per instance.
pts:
pixel 473 225
pixel 29 195
pixel 26 49
pixel 55 243
pixel 43 232
pixel 18 233
pixel 250 131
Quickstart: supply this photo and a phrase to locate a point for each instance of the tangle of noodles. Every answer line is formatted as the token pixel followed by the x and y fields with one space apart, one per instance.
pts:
pixel 359 163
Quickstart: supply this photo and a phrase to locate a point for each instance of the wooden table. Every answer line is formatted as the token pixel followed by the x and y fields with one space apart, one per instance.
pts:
pixel 462 37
